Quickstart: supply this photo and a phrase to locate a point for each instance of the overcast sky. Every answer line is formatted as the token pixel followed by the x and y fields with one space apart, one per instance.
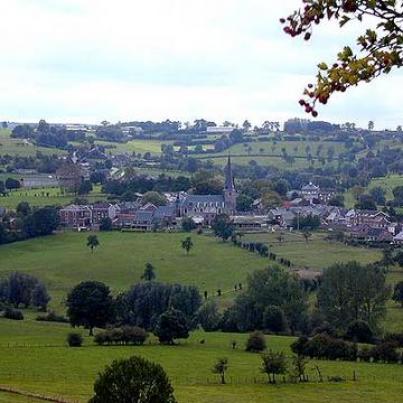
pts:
pixel 90 60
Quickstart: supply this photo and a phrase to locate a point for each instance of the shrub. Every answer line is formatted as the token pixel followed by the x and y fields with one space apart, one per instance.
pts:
pixel 359 332
pixel 385 352
pixel 125 335
pixel 74 340
pixel 256 342
pixel 52 316
pixel 395 338
pixel 13 314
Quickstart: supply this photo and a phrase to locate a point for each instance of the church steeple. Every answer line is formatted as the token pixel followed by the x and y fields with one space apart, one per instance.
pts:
pixel 230 194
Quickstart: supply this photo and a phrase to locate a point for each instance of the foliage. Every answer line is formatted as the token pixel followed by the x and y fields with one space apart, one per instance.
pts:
pixel 52 316
pixel 40 296
pixel 359 332
pixel 89 304
pixel 274 319
pixel 171 325
pixel 149 273
pixel 106 224
pixel 398 293
pixel 351 292
pixel 222 227
pixel 133 380
pixel 92 242
pixel 220 368
pixel 123 336
pixel 188 224
pixel 143 304
pixel 14 314
pixel 208 316
pixel 273 364
pixel 187 244
pixel 256 342
pixel 74 340
pixel 380 49
pixel 154 198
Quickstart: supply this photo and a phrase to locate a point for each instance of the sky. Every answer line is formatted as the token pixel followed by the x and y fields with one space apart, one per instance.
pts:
pixel 123 60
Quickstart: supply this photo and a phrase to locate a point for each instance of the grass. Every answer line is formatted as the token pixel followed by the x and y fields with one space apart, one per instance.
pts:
pixel 63 260
pixel 137 146
pixel 318 253
pixel 21 147
pixel 70 373
pixel 46 197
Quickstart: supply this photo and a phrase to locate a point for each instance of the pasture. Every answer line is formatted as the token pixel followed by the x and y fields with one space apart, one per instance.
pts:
pixel 36 359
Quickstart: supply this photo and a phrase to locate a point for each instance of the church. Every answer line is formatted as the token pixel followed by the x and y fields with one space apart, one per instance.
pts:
pixel 207 207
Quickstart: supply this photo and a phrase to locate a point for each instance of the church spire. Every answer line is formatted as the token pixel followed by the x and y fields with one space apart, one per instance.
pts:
pixel 229 177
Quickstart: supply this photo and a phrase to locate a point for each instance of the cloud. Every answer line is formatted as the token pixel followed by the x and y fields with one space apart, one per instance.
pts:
pixel 88 60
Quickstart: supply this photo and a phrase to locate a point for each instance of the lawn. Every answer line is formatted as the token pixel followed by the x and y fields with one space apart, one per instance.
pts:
pixel 37 360
pixel 22 147
pixel 46 197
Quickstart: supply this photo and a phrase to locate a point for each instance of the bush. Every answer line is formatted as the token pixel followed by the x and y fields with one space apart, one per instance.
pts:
pixel 52 316
pixel 385 352
pixel 256 342
pixel 13 314
pixel 74 340
pixel 359 332
pixel 125 335
pixel 395 338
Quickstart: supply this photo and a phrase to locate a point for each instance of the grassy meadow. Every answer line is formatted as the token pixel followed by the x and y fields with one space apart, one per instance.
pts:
pixel 36 359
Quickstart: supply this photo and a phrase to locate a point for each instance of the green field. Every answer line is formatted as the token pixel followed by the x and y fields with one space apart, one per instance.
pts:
pixel 36 359
pixel 21 147
pixel 45 197
pixel 137 146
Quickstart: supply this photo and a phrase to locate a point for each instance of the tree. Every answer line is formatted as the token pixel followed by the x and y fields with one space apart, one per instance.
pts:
pixel 149 273
pixel 359 332
pixel 43 221
pixel 246 125
pixel 222 227
pixel 133 380
pixel 380 49
pixel 299 363
pixel 350 292
pixel 23 209
pixel 208 316
pixel 220 368
pixel 378 194
pixel 12 183
pixel 40 296
pixel 244 202
pixel 187 244
pixel 306 235
pixel 89 304
pixel 171 325
pixel 274 319
pixel 188 224
pixel 398 293
pixel 106 224
pixel 371 125
pixel 154 198
pixel 85 188
pixel 273 364
pixel 92 242
pixel 2 188
pixel 18 289
pixel 271 199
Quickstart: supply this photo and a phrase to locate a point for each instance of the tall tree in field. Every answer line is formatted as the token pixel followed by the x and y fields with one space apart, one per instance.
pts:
pixel 223 227
pixel 90 304
pixel 380 49
pixel 149 272
pixel 220 368
pixel 187 244
pixel 92 242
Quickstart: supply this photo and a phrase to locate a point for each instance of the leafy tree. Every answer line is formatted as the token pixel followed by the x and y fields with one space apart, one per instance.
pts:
pixel 149 273
pixel 106 224
pixel 299 363
pixel 206 183
pixel 23 209
pixel 133 380
pixel 271 199
pixel 154 198
pixel 188 224
pixel 398 293
pixel 273 364
pixel 187 244
pixel 85 188
pixel 380 49
pixel 220 368
pixel 89 304
pixel 274 319
pixel 43 221
pixel 19 288
pixel 40 296
pixel 350 292
pixel 244 202
pixel 92 242
pixel 223 227
pixel 12 183
pixel 208 316
pixel 171 325
pixel 365 202
pixel 359 332
pixel 256 342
